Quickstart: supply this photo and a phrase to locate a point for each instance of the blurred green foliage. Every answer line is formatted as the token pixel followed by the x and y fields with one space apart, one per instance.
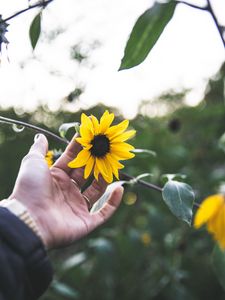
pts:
pixel 143 252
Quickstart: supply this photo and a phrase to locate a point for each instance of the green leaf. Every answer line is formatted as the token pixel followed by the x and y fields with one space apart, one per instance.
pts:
pixel 146 32
pixel 139 177
pixel 179 197
pixel 66 126
pixel 74 261
pixel 221 142
pixel 218 263
pixel 177 176
pixel 64 290
pixel 35 30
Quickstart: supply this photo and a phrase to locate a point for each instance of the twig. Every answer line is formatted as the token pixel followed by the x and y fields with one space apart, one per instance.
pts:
pixel 141 182
pixel 208 8
pixel 36 128
pixel 219 28
pixel 193 5
pixel 39 4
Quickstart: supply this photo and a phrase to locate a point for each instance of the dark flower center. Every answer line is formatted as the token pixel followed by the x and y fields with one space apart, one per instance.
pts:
pixel 101 145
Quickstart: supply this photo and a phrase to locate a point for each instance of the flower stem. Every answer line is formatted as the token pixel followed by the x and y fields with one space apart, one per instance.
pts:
pixel 141 182
pixel 219 28
pixel 42 4
pixel 35 128
pixel 192 5
pixel 209 9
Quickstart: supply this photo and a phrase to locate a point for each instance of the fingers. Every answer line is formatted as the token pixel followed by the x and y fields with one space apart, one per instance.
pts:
pixel 109 207
pixel 95 190
pixel 69 154
pixel 38 150
pixel 40 145
pixel 78 176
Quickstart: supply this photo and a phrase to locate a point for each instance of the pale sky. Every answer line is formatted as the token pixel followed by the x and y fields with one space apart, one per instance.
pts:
pixel 187 54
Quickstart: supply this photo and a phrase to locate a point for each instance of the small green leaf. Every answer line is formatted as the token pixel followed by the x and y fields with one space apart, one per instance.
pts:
pixel 35 30
pixel 74 261
pixel 139 177
pixel 177 176
pixel 221 142
pixel 144 151
pixel 218 263
pixel 66 126
pixel 179 197
pixel 146 32
pixel 64 290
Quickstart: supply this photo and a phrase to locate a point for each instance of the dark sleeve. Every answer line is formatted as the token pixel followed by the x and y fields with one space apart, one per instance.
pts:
pixel 25 271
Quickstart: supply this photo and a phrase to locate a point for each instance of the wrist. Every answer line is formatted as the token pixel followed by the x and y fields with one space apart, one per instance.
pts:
pixel 21 211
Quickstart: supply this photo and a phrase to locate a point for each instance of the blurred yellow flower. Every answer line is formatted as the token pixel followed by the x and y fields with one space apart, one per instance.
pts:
pixel 146 238
pixel 52 156
pixel 212 213
pixel 49 158
pixel 103 146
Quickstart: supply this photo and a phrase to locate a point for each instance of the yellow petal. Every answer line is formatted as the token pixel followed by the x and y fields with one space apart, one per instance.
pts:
pixel 109 178
pixel 86 133
pixel 122 155
pixel 120 151
pixel 105 121
pixel 84 142
pixel 86 128
pixel 222 239
pixel 209 207
pixel 80 160
pixel 96 172
pixel 115 130
pixel 95 124
pixel 114 162
pixel 216 226
pixel 86 121
pixel 123 136
pixel 115 165
pixel 121 147
pixel 102 167
pixel 89 167
pixel 220 227
pixel 49 158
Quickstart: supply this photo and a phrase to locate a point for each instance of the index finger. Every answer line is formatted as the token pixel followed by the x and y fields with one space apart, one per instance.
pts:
pixel 69 154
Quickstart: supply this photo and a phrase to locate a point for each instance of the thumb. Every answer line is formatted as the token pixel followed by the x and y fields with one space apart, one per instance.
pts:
pixel 40 145
pixel 108 208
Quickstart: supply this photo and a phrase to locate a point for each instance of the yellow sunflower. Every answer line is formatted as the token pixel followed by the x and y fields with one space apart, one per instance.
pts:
pixel 103 146
pixel 212 213
pixel 52 156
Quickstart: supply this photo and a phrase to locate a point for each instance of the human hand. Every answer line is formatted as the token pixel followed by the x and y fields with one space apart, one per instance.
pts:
pixel 53 198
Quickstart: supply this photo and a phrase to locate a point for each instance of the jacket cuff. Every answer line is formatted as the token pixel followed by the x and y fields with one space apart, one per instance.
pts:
pixel 26 243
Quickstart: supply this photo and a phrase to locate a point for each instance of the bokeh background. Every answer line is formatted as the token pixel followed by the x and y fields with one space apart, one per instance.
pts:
pixel 143 252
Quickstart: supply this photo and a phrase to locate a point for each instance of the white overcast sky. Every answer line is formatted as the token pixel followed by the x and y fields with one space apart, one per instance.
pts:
pixel 187 54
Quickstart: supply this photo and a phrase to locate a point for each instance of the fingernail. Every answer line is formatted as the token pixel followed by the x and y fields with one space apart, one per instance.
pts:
pixel 36 137
pixel 111 187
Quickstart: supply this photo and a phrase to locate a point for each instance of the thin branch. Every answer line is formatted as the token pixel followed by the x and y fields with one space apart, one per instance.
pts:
pixel 39 4
pixel 209 9
pixel 141 182
pixel 35 128
pixel 219 28
pixel 193 5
